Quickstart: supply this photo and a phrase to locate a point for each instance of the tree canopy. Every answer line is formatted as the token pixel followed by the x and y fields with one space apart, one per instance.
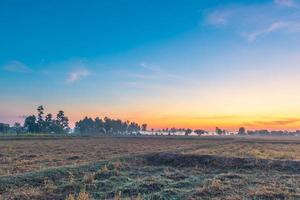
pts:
pixel 46 124
pixel 107 126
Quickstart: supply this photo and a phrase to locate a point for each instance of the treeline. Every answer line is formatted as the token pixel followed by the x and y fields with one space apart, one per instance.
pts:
pixel 188 131
pixel 174 131
pixel 264 132
pixel 274 133
pixel 218 131
pixel 107 126
pixel 40 123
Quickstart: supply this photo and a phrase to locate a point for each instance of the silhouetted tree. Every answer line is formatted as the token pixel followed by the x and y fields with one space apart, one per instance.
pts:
pixel 199 132
pixel 99 125
pixel 40 120
pixel 30 124
pixel 17 128
pixel 106 126
pixel 133 128
pixel 62 122
pixel 144 127
pixel 4 128
pixel 188 131
pixel 242 131
pixel 219 131
pixel 49 124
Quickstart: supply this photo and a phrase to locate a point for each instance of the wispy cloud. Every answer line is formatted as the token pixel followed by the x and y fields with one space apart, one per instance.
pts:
pixel 153 68
pixel 286 3
pixel 144 86
pixel 154 77
pixel 279 122
pixel 218 17
pixel 78 74
pixel 257 19
pixel 16 66
pixel 276 26
pixel 156 74
pixel 217 117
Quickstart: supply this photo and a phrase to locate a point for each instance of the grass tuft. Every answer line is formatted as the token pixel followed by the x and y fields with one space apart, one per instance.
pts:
pixel 89 178
pixel 83 195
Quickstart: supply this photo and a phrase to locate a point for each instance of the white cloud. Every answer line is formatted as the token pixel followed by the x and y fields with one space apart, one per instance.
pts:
pixel 286 3
pixel 16 66
pixel 77 74
pixel 276 26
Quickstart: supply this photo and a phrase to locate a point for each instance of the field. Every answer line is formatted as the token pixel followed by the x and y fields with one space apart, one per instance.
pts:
pixel 150 168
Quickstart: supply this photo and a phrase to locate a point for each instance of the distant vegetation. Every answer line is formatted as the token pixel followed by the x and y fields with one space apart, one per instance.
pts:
pixel 40 124
pixel 107 126
pixel 47 124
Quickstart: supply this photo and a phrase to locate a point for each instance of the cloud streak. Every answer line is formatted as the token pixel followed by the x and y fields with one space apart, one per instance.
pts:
pixel 78 74
pixel 16 66
pixel 218 17
pixel 257 20
pixel 280 122
pixel 272 28
pixel 153 68
pixel 276 26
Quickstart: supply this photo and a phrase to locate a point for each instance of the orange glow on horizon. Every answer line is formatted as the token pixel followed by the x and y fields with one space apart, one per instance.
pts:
pixel 228 122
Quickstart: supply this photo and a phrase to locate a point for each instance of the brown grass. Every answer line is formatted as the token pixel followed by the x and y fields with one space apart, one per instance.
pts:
pixel 214 185
pixel 83 195
pixel 89 178
pixel 182 171
pixel 270 192
pixel 18 156
pixel 284 149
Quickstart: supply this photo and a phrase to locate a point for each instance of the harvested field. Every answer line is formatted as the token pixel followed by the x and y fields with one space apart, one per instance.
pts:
pixel 152 168
pixel 266 149
pixel 18 156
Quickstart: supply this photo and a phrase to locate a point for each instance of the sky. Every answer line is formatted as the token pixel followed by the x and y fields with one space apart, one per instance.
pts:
pixel 170 63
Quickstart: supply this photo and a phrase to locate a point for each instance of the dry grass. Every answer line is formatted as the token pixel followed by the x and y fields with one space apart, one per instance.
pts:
pixel 135 178
pixel 83 195
pixel 26 192
pixel 49 185
pixel 18 156
pixel 270 192
pixel 285 149
pixel 214 185
pixel 89 178
pixel 118 196
pixel 70 197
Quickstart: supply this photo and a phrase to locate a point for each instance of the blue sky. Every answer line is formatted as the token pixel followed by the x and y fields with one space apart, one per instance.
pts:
pixel 169 63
